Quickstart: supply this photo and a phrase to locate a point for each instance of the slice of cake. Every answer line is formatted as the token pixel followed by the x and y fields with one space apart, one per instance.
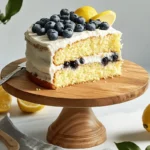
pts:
pixel 65 50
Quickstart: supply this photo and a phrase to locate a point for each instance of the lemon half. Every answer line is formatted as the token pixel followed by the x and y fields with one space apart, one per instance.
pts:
pixel 29 107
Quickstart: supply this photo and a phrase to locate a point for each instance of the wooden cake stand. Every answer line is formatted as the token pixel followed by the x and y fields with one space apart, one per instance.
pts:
pixel 77 126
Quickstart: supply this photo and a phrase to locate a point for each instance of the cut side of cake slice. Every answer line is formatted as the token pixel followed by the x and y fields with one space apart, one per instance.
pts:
pixel 66 50
pixel 86 56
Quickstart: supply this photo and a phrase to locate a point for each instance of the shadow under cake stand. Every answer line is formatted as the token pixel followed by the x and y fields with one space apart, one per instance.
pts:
pixel 77 126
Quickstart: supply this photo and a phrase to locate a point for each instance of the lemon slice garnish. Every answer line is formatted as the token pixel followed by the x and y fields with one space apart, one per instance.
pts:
pixel 106 16
pixel 28 106
pixel 86 12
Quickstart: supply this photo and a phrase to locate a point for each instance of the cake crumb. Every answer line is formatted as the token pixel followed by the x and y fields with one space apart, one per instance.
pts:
pixel 38 89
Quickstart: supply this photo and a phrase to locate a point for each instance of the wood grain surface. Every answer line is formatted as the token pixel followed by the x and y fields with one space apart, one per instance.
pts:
pixel 76 128
pixel 132 83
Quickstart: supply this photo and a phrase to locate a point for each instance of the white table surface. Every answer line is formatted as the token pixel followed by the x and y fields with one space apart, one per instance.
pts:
pixel 122 121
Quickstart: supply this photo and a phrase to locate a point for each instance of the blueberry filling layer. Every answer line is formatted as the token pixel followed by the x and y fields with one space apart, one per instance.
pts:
pixel 113 57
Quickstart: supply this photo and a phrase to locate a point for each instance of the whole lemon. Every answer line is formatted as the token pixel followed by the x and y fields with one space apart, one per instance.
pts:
pixel 86 12
pixel 146 118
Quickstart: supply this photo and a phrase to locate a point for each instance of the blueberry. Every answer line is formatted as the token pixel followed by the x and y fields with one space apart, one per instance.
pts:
pixel 92 21
pixel 59 27
pixel 50 25
pixel 114 57
pixel 80 20
pixel 62 21
pixel 85 26
pixel 41 31
pixel 66 64
pixel 45 20
pixel 73 17
pixel 79 28
pixel 70 25
pixel 71 13
pixel 65 17
pixel 74 64
pixel 104 26
pixel 67 33
pixel 64 12
pixel 96 22
pixel 105 61
pixel 81 60
pixel 90 26
pixel 60 33
pixel 52 34
pixel 67 21
pixel 42 23
pixel 55 18
pixel 36 27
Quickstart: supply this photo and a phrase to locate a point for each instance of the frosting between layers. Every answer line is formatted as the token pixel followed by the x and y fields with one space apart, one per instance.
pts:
pixel 46 72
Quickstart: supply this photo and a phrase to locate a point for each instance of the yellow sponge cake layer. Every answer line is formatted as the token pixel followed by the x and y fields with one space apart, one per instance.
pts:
pixel 88 47
pixel 87 72
pixel 84 73
pixel 86 56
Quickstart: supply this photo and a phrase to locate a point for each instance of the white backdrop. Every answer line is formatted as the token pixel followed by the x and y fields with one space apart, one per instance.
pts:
pixel 133 19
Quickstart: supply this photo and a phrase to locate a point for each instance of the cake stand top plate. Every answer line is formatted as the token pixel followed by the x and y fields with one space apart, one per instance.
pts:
pixel 132 83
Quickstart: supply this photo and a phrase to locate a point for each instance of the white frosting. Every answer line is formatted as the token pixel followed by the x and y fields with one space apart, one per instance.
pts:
pixel 62 42
pixel 41 62
pixel 36 63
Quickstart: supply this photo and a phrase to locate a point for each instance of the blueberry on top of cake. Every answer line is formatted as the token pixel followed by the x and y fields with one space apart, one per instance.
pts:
pixel 65 24
pixel 73 47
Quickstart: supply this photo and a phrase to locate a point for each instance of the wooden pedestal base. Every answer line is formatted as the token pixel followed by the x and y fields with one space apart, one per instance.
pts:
pixel 76 128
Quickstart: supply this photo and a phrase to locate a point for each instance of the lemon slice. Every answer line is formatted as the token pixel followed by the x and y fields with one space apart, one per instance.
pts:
pixel 5 100
pixel 106 16
pixel 86 12
pixel 29 107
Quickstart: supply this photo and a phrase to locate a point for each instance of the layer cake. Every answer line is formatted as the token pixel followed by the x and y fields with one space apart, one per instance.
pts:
pixel 88 55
